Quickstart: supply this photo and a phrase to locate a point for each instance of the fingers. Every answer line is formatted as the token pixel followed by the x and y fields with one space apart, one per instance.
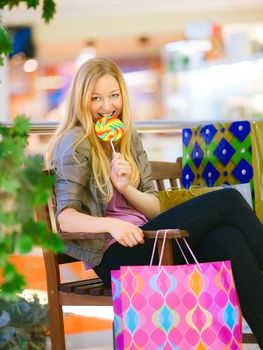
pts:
pixel 119 165
pixel 132 238
pixel 123 170
pixel 118 159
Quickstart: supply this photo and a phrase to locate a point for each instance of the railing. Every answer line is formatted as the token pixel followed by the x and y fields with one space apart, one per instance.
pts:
pixel 142 126
pixel 149 126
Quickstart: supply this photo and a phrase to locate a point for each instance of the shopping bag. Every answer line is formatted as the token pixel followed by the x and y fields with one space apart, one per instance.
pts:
pixel 257 159
pixel 117 308
pixel 174 196
pixel 192 306
pixel 225 153
pixel 217 154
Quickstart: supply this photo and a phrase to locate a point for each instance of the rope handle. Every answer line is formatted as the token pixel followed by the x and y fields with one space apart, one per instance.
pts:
pixel 155 243
pixel 162 250
pixel 180 189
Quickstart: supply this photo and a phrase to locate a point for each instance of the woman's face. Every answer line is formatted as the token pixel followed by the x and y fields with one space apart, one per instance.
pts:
pixel 106 98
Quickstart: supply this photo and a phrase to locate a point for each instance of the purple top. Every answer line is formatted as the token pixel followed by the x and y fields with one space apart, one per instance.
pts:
pixel 119 208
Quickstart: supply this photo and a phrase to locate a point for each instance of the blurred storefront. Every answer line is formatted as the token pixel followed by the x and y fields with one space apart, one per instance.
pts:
pixel 210 72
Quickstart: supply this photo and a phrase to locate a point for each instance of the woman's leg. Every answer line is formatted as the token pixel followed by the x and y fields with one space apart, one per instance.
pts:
pixel 117 255
pixel 202 214
pixel 228 243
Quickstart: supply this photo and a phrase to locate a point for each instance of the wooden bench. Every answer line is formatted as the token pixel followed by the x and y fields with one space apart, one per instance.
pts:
pixel 91 292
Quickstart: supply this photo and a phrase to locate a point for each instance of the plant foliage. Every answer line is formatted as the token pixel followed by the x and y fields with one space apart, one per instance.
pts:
pixel 5 44
pixel 24 324
pixel 48 12
pixel 48 6
pixel 23 187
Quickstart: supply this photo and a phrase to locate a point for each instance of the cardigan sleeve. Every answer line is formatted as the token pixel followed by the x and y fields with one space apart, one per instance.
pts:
pixel 72 172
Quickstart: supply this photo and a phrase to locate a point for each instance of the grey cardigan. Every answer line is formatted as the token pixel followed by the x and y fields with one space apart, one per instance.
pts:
pixel 74 187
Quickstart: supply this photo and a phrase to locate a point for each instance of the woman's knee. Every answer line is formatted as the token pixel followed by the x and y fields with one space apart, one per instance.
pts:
pixel 230 195
pixel 223 242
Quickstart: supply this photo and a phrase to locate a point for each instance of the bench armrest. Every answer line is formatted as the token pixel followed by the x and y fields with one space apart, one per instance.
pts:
pixel 172 233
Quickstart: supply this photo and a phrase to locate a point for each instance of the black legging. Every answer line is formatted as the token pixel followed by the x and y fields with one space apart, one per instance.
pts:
pixel 222 226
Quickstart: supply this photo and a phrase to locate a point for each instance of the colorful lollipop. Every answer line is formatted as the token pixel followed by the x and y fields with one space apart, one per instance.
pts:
pixel 109 128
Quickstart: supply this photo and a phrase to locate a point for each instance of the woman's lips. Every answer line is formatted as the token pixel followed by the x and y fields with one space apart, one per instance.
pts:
pixel 106 115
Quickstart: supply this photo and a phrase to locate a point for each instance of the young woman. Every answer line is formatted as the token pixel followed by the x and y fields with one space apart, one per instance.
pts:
pixel 101 191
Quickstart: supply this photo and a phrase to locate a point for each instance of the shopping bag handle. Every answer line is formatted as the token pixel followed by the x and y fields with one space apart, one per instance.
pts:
pixel 154 246
pixel 190 250
pixel 162 249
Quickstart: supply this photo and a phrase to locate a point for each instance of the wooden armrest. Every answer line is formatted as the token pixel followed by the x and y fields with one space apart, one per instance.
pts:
pixel 172 233
pixel 84 235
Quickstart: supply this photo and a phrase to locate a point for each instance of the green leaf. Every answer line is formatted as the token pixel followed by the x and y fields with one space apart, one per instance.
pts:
pixel 24 243
pixel 3 257
pixel 21 125
pixel 9 271
pixel 32 3
pixel 13 281
pixel 55 243
pixel 9 246
pixel 49 9
pixel 10 185
pixel 13 3
pixel 5 42
pixel 44 237
pixel 8 218
pixel 3 3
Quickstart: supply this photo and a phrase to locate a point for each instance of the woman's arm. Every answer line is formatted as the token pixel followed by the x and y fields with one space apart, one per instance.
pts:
pixel 146 203
pixel 126 233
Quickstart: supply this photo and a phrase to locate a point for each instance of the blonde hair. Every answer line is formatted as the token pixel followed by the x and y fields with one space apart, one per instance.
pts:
pixel 78 113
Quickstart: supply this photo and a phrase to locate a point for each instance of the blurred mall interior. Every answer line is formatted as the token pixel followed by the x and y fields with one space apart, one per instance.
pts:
pixel 185 62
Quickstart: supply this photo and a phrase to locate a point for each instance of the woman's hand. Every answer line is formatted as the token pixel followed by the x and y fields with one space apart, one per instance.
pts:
pixel 126 233
pixel 120 172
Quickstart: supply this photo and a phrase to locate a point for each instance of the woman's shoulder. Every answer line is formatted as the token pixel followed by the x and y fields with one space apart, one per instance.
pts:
pixel 73 135
pixel 69 141
pixel 135 135
pixel 136 139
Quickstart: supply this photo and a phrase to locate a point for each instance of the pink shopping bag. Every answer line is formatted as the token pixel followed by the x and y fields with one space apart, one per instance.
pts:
pixel 192 306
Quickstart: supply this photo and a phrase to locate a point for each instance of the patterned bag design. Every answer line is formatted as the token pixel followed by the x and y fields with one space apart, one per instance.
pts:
pixel 179 307
pixel 217 154
pixel 117 308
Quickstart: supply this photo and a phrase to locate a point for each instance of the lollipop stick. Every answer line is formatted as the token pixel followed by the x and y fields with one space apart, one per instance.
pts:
pixel 113 149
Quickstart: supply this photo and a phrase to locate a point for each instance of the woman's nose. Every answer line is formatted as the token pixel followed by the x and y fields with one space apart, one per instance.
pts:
pixel 106 104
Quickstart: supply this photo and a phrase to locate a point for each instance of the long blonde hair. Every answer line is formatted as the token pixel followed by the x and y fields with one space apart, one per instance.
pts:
pixel 78 113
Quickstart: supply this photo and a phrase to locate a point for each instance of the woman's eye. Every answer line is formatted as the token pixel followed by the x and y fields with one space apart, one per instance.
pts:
pixel 114 96
pixel 95 98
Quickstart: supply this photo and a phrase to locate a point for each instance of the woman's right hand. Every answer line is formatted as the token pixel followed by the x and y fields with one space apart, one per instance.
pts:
pixel 126 233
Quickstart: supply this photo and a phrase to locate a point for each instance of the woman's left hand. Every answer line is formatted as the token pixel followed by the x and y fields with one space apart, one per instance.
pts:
pixel 120 172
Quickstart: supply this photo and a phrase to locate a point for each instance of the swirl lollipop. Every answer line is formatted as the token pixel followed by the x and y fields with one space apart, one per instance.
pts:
pixel 109 128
